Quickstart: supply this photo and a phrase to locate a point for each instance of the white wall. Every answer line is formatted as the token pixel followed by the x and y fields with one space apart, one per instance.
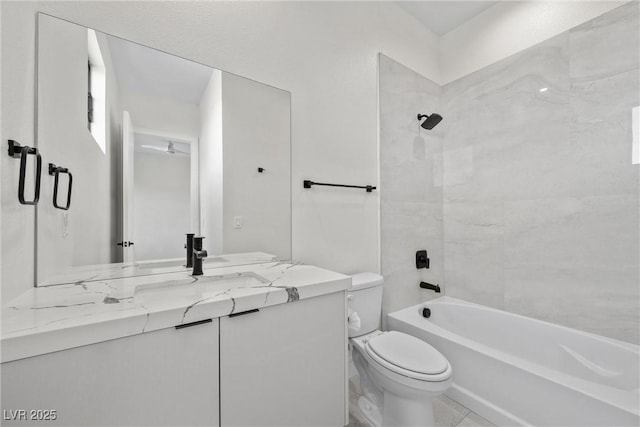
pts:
pixel 211 164
pixel 17 122
pixel 65 140
pixel 324 53
pixel 256 132
pixel 509 27
pixel 245 125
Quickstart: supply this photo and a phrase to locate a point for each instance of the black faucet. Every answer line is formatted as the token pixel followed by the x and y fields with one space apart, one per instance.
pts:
pixel 198 255
pixel 189 247
pixel 425 285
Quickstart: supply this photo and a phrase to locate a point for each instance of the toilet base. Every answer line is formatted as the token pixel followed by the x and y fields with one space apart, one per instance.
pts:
pixel 398 412
pixel 391 399
pixel 402 412
pixel 370 412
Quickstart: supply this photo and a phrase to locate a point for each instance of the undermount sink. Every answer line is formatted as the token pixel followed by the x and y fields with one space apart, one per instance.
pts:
pixel 214 260
pixel 200 286
pixel 175 263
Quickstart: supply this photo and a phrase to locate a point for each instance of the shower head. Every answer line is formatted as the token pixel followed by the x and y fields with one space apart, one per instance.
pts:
pixel 431 121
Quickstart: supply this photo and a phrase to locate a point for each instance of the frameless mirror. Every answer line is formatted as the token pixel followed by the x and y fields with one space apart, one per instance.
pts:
pixel 157 146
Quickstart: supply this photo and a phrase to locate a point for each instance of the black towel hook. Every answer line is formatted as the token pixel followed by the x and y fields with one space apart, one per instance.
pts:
pixel 17 151
pixel 56 171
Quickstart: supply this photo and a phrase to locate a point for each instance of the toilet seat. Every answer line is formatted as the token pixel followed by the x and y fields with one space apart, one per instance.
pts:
pixel 408 356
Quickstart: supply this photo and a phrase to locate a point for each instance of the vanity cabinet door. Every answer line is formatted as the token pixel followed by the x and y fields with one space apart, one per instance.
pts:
pixel 285 365
pixel 167 377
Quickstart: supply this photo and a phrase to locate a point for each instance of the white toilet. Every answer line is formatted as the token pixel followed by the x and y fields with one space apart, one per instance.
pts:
pixel 400 375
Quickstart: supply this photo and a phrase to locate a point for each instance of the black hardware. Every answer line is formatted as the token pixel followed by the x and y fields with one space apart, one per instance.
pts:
pixel 425 285
pixel 255 310
pixel 56 171
pixel 198 256
pixel 431 121
pixel 309 184
pixel 124 244
pixel 261 170
pixel 89 98
pixel 426 313
pixel 422 261
pixel 188 325
pixel 90 109
pixel 17 151
pixel 189 247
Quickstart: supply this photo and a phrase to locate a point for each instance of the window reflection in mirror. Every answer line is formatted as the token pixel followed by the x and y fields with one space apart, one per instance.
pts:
pixel 97 96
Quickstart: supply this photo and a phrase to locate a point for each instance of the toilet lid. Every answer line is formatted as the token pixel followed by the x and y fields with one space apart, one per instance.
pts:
pixel 407 352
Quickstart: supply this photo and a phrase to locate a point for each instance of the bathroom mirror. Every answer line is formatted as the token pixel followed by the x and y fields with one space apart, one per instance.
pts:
pixel 158 146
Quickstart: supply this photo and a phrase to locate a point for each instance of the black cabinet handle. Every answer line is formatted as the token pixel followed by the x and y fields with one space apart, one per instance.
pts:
pixel 188 325
pixel 18 151
pixel 56 171
pixel 255 310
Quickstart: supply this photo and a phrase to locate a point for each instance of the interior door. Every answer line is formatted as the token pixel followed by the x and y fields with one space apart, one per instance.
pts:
pixel 128 249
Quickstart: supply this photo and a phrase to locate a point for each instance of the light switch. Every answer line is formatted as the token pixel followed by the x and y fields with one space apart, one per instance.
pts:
pixel 237 222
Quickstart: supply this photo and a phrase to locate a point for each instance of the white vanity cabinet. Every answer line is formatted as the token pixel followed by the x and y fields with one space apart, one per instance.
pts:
pixel 281 365
pixel 284 365
pixel 167 377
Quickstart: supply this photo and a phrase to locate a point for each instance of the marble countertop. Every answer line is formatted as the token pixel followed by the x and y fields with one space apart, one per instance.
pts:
pixel 90 273
pixel 53 318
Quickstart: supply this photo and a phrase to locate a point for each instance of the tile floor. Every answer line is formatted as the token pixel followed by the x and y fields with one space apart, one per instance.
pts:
pixel 446 412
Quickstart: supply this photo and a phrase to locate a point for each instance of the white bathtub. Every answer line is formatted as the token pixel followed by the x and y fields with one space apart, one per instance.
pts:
pixel 515 370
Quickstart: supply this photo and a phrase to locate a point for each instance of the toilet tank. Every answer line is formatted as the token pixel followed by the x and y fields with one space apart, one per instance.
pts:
pixel 365 300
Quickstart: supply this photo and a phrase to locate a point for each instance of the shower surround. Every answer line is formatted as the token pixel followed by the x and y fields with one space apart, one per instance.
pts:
pixel 411 193
pixel 525 194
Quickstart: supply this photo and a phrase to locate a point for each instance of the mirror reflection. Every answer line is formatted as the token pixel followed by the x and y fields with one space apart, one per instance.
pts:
pixel 159 146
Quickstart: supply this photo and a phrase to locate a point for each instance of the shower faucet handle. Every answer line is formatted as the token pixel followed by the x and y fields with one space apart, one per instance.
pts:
pixel 422 260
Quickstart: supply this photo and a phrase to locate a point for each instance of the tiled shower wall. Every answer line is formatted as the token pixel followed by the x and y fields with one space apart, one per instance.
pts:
pixel 540 201
pixel 410 179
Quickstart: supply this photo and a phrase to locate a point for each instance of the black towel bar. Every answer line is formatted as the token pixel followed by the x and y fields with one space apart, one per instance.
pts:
pixel 309 184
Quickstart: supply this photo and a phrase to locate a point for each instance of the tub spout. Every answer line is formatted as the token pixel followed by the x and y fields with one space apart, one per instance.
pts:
pixel 435 288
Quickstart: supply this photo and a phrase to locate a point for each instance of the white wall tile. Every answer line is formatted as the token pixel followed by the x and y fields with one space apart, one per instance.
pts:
pixel 544 218
pixel 410 185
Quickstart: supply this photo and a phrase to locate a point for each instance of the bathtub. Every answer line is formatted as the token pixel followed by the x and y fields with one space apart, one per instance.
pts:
pixel 515 370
